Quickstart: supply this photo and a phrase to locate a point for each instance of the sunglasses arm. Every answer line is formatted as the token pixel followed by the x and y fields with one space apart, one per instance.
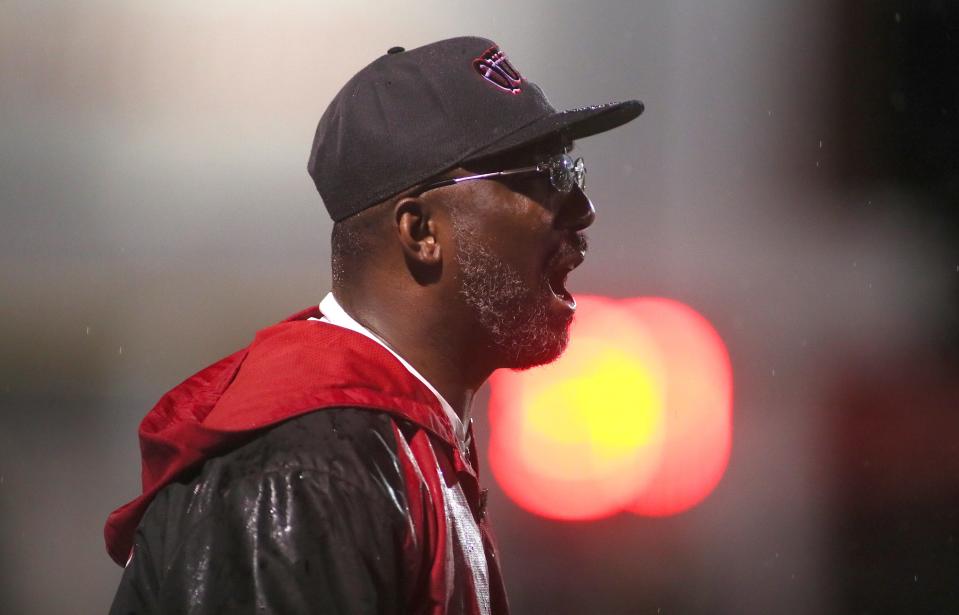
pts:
pixel 456 180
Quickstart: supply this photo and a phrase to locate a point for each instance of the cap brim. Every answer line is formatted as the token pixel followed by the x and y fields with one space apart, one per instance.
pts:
pixel 574 124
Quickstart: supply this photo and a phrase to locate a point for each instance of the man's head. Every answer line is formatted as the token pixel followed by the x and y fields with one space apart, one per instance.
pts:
pixel 493 253
pixel 483 259
pixel 514 248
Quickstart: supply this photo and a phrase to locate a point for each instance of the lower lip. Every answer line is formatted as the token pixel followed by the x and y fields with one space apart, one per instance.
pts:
pixel 563 303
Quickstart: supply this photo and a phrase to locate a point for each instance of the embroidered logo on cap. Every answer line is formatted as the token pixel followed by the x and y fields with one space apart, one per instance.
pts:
pixel 494 66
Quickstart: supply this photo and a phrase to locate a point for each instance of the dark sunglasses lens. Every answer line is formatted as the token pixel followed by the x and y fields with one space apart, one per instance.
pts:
pixel 561 173
pixel 579 173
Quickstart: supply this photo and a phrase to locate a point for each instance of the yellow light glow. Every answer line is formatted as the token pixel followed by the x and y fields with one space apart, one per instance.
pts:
pixel 635 415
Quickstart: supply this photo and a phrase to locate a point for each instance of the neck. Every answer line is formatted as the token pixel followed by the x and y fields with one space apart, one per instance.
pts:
pixel 428 339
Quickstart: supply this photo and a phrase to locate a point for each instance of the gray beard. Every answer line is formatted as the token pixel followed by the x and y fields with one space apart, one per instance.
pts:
pixel 515 317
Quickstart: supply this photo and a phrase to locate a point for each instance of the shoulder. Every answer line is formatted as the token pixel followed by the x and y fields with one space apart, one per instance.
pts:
pixel 316 504
pixel 331 441
pixel 348 446
pixel 348 451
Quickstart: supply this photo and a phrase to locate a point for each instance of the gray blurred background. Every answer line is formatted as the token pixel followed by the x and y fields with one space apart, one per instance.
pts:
pixel 794 179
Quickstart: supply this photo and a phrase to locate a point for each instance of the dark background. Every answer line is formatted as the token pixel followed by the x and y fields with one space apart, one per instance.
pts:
pixel 794 179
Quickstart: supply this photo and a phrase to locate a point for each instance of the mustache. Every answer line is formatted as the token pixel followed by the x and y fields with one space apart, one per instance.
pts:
pixel 577 244
pixel 581 242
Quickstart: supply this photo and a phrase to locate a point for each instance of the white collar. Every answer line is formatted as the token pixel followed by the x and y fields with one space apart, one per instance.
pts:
pixel 334 314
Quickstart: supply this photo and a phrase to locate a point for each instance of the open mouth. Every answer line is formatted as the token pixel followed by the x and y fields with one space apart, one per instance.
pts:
pixel 557 284
pixel 569 257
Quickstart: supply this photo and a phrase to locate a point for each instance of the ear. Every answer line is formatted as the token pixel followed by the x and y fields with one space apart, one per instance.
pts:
pixel 416 225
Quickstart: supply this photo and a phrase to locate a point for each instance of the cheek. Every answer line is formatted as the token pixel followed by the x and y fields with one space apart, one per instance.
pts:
pixel 518 223
pixel 512 226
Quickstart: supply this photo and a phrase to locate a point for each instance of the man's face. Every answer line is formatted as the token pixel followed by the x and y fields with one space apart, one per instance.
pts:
pixel 516 240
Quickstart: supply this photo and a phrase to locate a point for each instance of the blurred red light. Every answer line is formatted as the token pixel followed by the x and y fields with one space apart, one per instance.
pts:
pixel 636 415
pixel 699 386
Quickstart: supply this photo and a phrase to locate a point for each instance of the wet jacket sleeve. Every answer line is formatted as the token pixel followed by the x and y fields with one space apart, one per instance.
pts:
pixel 310 518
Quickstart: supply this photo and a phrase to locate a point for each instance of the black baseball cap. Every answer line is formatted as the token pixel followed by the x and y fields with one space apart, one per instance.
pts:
pixel 411 115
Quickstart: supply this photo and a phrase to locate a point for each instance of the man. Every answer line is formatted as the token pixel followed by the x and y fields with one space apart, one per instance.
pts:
pixel 330 466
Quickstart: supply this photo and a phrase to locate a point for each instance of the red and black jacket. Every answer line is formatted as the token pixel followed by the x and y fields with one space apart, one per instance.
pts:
pixel 307 473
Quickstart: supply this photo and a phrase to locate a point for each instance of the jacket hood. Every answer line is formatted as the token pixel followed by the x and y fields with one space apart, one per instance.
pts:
pixel 291 368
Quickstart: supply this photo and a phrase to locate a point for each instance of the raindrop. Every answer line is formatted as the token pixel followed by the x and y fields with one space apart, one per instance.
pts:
pixel 88 329
pixel 120 350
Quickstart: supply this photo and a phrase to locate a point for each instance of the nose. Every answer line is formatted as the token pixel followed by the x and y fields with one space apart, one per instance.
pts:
pixel 576 211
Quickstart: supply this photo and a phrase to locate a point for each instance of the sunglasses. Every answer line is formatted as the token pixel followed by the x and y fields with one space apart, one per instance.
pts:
pixel 563 171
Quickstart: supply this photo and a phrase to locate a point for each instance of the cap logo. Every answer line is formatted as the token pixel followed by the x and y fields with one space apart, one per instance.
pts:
pixel 494 66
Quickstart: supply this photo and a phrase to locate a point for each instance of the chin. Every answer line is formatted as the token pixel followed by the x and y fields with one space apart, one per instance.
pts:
pixel 539 347
pixel 521 325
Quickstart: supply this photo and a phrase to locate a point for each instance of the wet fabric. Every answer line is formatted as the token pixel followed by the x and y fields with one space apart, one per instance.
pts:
pixel 308 473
